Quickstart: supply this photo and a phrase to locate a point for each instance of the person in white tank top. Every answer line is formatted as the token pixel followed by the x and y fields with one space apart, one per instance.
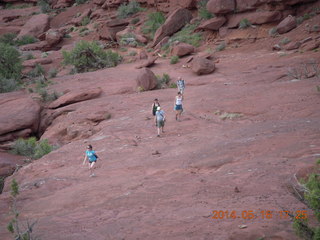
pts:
pixel 178 106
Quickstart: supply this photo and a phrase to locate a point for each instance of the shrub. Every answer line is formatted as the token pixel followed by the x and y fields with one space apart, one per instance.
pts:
pixel 37 71
pixel 163 81
pixel 173 85
pixel 129 39
pixel 46 96
pixel 90 56
pixel 52 73
pixel 26 39
pixel 273 32
pixel 174 59
pixel 29 56
pixel 154 21
pixel 123 49
pixel 203 12
pixel 244 23
pixel 85 21
pixel 31 148
pixel 132 53
pixel 44 6
pixel 8 38
pixel 187 35
pixel 8 85
pixel 221 47
pixel 10 63
pixel 78 2
pixel 285 41
pixel 126 10
pixel 135 20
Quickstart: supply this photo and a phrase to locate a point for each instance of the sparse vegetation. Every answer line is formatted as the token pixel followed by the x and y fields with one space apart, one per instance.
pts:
pixel 173 85
pixel 46 96
pixel 174 59
pixel 230 116
pixel 135 20
pixel 273 32
pixel 29 56
pixel 78 2
pixel 126 10
pixel 18 6
pixel 24 40
pixel 221 47
pixel 44 6
pixel 85 21
pixel 132 53
pixel 154 21
pixel 15 227
pixel 187 35
pixel 311 190
pixel 10 68
pixel 31 148
pixel 285 41
pixel 90 56
pixel 52 73
pixel 163 81
pixel 9 38
pixel 304 71
pixel 123 49
pixel 37 71
pixel 203 12
pixel 129 39
pixel 244 23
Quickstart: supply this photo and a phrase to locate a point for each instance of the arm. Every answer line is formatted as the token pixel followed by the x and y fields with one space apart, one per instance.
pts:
pixel 85 159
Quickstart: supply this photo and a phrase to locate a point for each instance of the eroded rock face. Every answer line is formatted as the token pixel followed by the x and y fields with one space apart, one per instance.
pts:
pixel 75 96
pixel 213 24
pixel 35 26
pixel 182 49
pixel 18 112
pixel 176 20
pixel 53 37
pixel 221 6
pixel 287 24
pixel 146 79
pixel 254 18
pixel 202 66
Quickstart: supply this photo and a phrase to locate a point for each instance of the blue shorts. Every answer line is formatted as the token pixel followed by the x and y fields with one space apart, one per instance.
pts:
pixel 178 107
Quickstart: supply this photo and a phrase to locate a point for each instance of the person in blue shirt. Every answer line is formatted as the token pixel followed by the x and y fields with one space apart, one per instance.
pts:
pixel 159 120
pixel 92 157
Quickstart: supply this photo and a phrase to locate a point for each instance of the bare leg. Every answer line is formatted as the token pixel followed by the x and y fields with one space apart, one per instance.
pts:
pixel 91 165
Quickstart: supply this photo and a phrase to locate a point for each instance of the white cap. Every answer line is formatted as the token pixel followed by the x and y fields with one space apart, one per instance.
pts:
pixel 158 108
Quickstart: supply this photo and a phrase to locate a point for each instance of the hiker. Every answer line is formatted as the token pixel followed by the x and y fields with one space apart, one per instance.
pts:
pixel 180 85
pixel 92 157
pixel 159 119
pixel 155 105
pixel 178 106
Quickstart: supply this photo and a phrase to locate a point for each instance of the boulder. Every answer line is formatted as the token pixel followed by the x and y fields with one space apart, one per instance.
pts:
pixel 202 66
pixel 117 22
pixel 75 96
pixel 182 49
pixel 35 26
pixel 62 4
pixel 53 37
pixel 18 112
pixel 189 4
pixel 34 46
pixel 146 79
pixel 15 135
pixel 78 20
pixel 110 33
pixel 34 62
pixel 221 6
pixel 213 24
pixel 258 18
pixel 9 29
pixel 247 5
pixel 286 24
pixel 113 3
pixel 164 41
pixel 147 63
pixel 311 45
pixel 175 21
pixel 293 45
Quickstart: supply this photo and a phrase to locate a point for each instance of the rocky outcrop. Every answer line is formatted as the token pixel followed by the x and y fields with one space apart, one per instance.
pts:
pixel 182 49
pixel 34 62
pixel 221 6
pixel 62 4
pixel 293 45
pixel 35 26
pixel 75 96
pixel 18 112
pixel 146 80
pixel 176 20
pixel 53 37
pixel 286 24
pixel 213 24
pixel 112 3
pixel 148 62
pixel 78 20
pixel 189 4
pixel 254 18
pixel 202 66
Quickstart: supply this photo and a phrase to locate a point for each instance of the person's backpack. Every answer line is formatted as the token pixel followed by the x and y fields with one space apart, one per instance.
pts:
pixel 95 155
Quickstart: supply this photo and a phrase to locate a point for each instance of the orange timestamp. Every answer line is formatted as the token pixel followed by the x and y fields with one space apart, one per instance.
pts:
pixel 259 214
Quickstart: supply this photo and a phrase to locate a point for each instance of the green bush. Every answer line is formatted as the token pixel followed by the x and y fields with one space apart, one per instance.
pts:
pixel 44 6
pixel 162 82
pixel 85 21
pixel 8 85
pixel 154 21
pixel 29 56
pixel 221 47
pixel 31 148
pixel 52 73
pixel 8 38
pixel 135 20
pixel 46 96
pixel 78 2
pixel 90 56
pixel 126 10
pixel 273 32
pixel 244 23
pixel 174 59
pixel 187 35
pixel 132 53
pixel 17 6
pixel 285 41
pixel 26 39
pixel 129 39
pixel 203 12
pixel 10 63
pixel 37 71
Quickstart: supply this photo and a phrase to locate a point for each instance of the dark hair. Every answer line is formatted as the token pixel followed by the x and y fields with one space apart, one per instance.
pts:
pixel 179 93
pixel 90 146
pixel 156 99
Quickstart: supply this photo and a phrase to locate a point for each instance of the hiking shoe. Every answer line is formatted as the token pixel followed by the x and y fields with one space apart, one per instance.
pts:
pixel 92 175
pixel 158 135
